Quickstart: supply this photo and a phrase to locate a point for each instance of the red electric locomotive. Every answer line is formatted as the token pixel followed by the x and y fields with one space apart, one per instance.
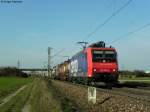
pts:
pixel 96 63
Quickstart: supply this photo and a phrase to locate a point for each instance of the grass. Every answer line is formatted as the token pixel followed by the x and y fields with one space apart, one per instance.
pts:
pixel 17 102
pixel 66 103
pixel 46 98
pixel 135 78
pixel 73 98
pixel 37 96
pixel 11 84
pixel 42 99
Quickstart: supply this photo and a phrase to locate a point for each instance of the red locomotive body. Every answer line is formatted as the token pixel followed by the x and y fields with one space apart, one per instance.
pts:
pixel 102 64
pixel 94 64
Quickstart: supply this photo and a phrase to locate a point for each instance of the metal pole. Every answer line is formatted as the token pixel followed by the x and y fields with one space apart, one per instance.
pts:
pixel 49 61
pixel 18 64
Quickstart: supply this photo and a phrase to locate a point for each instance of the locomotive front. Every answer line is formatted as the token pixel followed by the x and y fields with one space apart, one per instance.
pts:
pixel 102 63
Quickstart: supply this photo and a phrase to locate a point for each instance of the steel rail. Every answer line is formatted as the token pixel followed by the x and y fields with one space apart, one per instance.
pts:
pixel 144 99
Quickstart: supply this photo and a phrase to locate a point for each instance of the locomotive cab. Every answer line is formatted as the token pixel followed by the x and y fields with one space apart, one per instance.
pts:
pixel 103 65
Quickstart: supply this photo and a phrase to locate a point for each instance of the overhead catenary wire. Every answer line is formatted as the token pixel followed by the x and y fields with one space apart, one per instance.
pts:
pixel 108 19
pixel 57 53
pixel 131 32
pixel 102 24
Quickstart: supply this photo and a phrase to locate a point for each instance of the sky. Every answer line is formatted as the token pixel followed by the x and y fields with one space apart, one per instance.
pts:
pixel 28 28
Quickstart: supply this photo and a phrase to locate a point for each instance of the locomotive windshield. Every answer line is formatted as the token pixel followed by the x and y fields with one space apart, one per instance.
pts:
pixel 104 56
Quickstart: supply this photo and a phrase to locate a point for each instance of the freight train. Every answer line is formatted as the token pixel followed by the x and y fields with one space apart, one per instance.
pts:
pixel 96 63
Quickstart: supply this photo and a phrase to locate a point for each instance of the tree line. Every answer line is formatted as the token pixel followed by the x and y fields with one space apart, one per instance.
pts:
pixel 12 71
pixel 135 73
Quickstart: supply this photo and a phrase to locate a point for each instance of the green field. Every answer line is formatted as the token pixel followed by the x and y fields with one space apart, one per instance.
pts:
pixel 43 95
pixel 11 84
pixel 35 97
pixel 136 79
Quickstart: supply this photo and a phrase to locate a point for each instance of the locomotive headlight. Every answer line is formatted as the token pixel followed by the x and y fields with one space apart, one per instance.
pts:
pixel 90 75
pixel 114 70
pixel 94 70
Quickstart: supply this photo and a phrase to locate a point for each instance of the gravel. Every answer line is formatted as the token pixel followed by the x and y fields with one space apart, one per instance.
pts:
pixel 106 102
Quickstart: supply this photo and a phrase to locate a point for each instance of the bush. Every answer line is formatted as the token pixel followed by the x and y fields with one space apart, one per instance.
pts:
pixel 140 73
pixel 11 71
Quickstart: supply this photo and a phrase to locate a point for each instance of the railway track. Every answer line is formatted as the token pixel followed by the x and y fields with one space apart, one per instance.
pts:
pixel 130 93
pixel 136 94
pixel 138 85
